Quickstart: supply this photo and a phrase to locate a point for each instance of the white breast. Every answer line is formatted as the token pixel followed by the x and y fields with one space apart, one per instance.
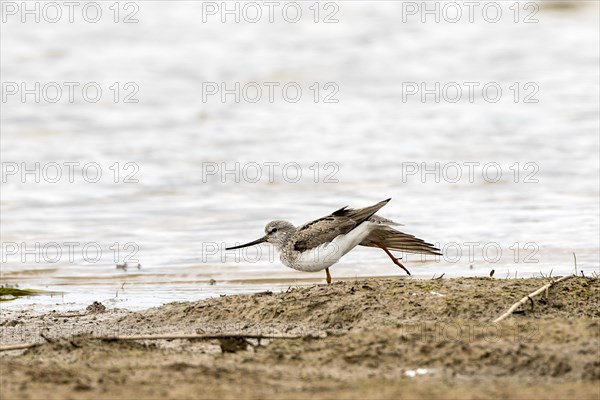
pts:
pixel 327 254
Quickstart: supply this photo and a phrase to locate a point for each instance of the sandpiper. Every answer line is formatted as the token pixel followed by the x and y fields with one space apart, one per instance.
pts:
pixel 317 245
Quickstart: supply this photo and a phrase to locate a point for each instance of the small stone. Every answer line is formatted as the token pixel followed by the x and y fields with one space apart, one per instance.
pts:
pixel 95 308
pixel 233 345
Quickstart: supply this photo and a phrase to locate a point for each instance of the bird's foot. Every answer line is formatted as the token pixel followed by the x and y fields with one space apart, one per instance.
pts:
pixel 394 259
pixel 328 277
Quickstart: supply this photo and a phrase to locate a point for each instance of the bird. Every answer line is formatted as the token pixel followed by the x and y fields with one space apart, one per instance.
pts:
pixel 319 244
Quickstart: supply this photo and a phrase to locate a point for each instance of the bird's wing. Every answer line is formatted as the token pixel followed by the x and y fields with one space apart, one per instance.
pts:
pixel 321 231
pixel 340 222
pixel 400 241
pixel 360 214
pixel 384 221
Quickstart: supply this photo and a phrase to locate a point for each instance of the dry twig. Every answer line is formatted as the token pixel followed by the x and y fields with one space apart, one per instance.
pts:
pixel 21 346
pixel 530 296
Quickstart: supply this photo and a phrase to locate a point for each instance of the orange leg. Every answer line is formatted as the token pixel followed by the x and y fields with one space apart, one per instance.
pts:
pixel 394 259
pixel 328 279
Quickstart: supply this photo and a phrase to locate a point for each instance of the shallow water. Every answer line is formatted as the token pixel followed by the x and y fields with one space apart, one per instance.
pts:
pixel 202 167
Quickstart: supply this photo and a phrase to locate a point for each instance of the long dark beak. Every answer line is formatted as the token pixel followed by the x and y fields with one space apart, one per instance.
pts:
pixel 257 241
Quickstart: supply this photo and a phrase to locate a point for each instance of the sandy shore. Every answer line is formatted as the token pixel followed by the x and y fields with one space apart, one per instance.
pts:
pixel 378 338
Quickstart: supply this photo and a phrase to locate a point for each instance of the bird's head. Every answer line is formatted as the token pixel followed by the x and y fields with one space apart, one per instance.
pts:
pixel 276 233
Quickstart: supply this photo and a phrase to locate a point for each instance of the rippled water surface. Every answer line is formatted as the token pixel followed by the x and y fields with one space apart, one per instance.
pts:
pixel 183 209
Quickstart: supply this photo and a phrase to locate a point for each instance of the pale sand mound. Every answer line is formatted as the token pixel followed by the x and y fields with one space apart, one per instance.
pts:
pixel 382 338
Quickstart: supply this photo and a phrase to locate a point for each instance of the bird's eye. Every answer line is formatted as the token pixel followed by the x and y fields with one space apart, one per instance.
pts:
pixel 273 230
